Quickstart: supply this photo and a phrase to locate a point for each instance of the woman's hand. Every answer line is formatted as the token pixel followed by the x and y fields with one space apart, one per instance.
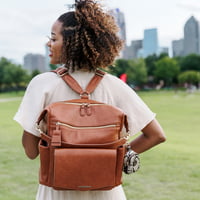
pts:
pixel 30 144
pixel 152 135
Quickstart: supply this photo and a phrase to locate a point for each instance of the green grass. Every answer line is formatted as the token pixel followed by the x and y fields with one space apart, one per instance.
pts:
pixel 170 171
pixel 18 175
pixel 11 94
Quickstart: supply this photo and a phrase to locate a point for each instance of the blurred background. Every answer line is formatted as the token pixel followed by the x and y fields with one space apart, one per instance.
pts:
pixel 25 24
pixel 155 30
pixel 160 61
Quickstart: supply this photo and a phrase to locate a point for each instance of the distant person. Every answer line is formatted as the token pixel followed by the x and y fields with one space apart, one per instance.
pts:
pixel 83 40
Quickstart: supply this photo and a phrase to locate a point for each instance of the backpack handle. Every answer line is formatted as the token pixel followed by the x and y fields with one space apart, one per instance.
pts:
pixel 74 85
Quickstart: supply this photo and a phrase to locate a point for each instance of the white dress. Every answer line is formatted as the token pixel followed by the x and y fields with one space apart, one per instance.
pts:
pixel 48 87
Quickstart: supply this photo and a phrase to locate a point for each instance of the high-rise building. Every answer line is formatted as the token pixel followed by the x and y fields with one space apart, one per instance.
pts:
pixel 191 36
pixel 120 20
pixel 34 62
pixel 178 47
pixel 131 51
pixel 150 42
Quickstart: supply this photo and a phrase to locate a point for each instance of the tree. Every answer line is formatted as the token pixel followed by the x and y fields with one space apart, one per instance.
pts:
pixel 19 76
pixel 151 60
pixel 135 69
pixel 3 63
pixel 190 62
pixel 162 55
pixel 137 72
pixel 35 73
pixel 167 70
pixel 150 63
pixel 7 77
pixel 120 67
pixel 11 75
pixel 52 66
pixel 190 77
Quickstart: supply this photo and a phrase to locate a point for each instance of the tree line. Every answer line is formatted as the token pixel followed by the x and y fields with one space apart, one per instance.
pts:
pixel 153 71
pixel 13 77
pixel 160 70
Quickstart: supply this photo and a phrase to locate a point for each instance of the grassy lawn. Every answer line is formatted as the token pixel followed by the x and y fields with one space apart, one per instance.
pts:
pixel 18 175
pixel 11 94
pixel 170 171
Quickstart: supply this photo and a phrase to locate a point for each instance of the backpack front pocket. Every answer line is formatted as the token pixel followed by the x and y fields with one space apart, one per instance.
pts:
pixel 88 135
pixel 44 163
pixel 84 169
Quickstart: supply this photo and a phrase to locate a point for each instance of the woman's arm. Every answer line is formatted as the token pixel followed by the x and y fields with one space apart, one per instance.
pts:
pixel 152 135
pixel 30 144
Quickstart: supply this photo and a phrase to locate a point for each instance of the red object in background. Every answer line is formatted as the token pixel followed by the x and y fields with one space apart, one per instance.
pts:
pixel 123 77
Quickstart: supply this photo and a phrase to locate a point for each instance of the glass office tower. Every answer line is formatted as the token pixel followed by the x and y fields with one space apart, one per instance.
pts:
pixel 150 42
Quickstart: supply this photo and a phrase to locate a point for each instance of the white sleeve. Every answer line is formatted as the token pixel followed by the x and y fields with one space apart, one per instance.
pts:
pixel 32 104
pixel 138 113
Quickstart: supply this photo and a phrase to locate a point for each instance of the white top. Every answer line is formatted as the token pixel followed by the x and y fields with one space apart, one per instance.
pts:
pixel 48 87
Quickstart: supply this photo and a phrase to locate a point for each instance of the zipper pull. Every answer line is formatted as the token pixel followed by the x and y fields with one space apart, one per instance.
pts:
pixel 82 110
pixel 56 137
pixel 88 110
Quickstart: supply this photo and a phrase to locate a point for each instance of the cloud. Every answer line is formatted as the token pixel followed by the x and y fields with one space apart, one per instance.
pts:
pixel 192 5
pixel 24 31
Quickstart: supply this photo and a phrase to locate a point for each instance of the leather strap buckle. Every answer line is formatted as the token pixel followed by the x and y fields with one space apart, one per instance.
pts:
pixel 99 73
pixel 62 72
pixel 85 95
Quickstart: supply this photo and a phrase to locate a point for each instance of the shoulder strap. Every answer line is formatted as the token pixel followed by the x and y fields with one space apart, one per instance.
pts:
pixel 74 85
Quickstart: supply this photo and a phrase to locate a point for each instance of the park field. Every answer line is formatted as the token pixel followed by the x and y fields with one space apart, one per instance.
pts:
pixel 170 171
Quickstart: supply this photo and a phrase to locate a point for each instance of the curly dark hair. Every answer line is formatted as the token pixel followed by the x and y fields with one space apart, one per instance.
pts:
pixel 89 37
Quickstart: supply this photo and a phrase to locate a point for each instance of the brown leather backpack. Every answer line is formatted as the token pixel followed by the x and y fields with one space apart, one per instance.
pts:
pixel 82 148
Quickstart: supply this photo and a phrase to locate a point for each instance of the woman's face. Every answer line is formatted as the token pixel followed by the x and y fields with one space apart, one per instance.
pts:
pixel 55 43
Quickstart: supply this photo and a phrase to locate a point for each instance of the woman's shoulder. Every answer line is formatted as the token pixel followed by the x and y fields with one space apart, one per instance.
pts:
pixel 114 78
pixel 114 81
pixel 44 82
pixel 44 78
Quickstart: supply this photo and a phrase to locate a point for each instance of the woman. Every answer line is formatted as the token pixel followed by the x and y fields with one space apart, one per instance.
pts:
pixel 84 40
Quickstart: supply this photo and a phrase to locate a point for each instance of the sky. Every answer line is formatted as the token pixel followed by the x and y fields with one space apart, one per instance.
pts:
pixel 25 24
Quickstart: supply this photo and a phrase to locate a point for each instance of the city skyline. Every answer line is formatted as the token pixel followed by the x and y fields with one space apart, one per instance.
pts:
pixel 24 25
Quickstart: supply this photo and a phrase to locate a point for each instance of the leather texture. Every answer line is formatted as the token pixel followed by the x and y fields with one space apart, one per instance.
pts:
pixel 82 149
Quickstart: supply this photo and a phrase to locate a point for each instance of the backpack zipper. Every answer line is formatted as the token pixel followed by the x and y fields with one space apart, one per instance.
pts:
pixel 85 108
pixel 84 104
pixel 85 127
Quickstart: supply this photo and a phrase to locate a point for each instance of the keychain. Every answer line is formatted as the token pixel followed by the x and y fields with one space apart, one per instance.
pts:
pixel 131 161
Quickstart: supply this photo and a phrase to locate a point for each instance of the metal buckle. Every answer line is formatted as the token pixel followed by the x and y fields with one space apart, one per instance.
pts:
pixel 59 72
pixel 127 136
pixel 98 73
pixel 85 94
pixel 38 128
